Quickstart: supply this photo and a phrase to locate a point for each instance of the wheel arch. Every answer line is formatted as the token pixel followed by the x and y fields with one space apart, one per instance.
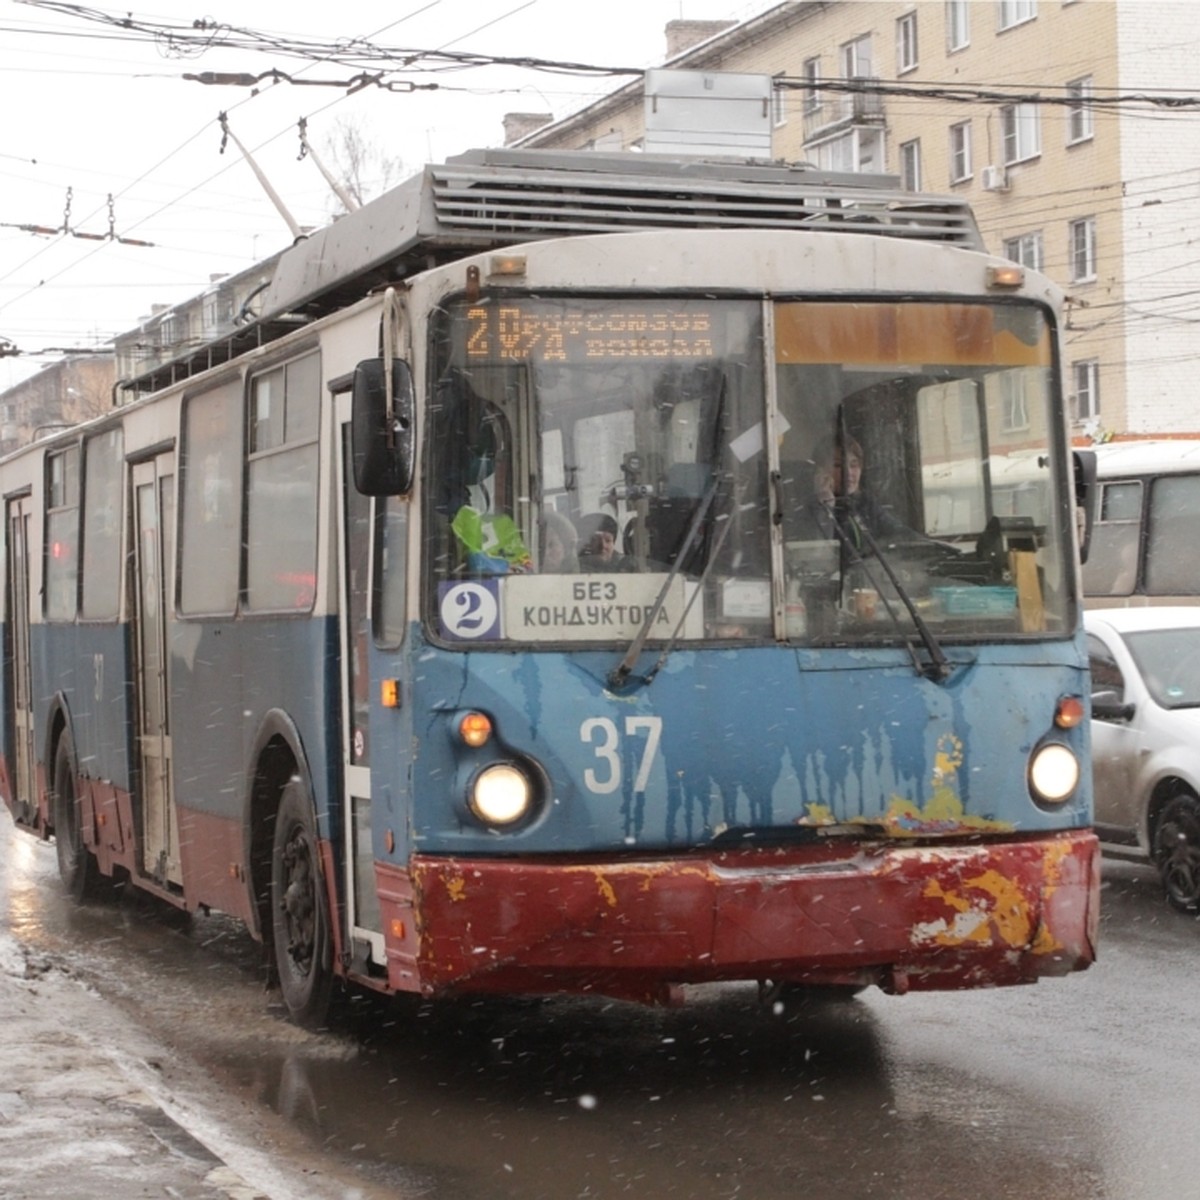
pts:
pixel 58 722
pixel 1165 787
pixel 276 755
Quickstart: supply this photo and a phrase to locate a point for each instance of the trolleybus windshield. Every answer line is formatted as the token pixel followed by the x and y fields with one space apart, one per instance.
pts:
pixel 597 463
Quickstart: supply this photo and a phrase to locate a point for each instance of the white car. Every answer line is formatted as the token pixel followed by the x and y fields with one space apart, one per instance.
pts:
pixel 1146 739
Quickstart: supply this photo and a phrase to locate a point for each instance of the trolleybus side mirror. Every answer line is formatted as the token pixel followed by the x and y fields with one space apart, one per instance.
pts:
pixel 1085 498
pixel 381 436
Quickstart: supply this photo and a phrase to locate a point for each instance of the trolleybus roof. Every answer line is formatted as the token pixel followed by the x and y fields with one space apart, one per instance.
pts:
pixel 485 199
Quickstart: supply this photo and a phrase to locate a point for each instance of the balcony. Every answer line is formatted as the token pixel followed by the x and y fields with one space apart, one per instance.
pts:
pixel 835 112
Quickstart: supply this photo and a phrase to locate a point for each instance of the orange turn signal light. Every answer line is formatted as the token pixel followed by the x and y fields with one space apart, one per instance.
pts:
pixel 1069 713
pixel 475 728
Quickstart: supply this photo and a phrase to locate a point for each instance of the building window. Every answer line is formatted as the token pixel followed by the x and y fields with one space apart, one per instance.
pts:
pixel 811 73
pixel 1086 378
pixel 856 150
pixel 958 25
pixel 906 43
pixel 218 311
pixel 778 103
pixel 1015 12
pixel 170 332
pixel 837 154
pixel 960 151
pixel 1083 249
pixel 856 58
pixel 1026 249
pixel 1079 110
pixel 1022 133
pixel 910 165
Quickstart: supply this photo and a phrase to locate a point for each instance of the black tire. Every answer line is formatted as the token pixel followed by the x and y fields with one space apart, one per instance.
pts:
pixel 1176 851
pixel 77 866
pixel 300 911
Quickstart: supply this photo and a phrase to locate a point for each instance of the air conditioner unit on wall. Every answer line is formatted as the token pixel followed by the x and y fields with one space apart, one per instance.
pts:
pixel 994 179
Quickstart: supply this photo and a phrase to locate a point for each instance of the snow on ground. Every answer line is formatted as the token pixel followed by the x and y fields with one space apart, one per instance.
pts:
pixel 91 1107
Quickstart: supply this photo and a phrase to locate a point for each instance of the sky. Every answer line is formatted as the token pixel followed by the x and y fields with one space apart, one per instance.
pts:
pixel 105 144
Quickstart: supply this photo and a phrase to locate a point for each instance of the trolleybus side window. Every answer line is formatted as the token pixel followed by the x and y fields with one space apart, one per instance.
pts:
pixel 1112 565
pixel 1141 523
pixel 62 534
pixel 211 492
pixel 1174 517
pixel 281 489
pixel 103 462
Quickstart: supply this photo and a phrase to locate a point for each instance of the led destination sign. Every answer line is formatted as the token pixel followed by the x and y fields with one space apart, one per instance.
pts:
pixel 600 333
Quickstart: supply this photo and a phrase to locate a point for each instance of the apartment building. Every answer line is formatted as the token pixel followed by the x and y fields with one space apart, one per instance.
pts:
pixel 1067 123
pixel 203 331
pixel 72 389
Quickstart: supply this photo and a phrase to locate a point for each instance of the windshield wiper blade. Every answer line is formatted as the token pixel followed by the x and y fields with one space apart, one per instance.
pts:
pixel 619 675
pixel 938 668
pixel 660 661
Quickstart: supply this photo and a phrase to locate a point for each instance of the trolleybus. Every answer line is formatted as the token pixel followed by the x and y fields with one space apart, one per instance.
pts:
pixel 1147 506
pixel 499 610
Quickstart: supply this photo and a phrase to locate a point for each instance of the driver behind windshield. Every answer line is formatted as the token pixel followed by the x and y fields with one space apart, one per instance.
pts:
pixel 839 501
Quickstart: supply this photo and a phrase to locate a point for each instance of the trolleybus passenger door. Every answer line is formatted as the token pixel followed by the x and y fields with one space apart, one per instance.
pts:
pixel 354 541
pixel 154 516
pixel 18 682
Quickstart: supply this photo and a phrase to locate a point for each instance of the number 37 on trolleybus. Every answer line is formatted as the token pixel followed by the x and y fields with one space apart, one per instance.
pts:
pixel 584 574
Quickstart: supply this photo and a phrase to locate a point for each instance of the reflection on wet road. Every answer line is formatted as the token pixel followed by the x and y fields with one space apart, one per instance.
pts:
pixel 1077 1089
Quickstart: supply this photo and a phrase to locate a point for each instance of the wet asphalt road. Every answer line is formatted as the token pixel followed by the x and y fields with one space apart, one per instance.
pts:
pixel 1085 1088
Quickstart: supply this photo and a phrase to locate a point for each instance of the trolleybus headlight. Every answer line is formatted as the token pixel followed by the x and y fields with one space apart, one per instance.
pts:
pixel 1053 773
pixel 501 794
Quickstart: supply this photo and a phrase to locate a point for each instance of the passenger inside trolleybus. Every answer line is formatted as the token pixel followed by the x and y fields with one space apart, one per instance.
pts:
pixel 599 549
pixel 559 553
pixel 477 485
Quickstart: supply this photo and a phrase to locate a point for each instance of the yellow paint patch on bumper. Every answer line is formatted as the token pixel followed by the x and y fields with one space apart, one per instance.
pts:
pixel 990 907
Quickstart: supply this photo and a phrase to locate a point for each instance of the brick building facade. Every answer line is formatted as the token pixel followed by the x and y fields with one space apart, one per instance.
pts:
pixel 1009 103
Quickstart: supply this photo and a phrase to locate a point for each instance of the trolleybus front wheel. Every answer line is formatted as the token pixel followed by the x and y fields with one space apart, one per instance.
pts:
pixel 77 866
pixel 300 908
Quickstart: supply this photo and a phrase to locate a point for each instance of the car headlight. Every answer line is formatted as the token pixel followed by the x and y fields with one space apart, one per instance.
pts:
pixel 501 794
pixel 1053 773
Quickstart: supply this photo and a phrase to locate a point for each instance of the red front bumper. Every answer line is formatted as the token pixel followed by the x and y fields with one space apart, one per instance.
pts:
pixel 901 916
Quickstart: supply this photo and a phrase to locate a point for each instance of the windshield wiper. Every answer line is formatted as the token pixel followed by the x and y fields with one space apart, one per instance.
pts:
pixel 714 553
pixel 938 668
pixel 619 675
